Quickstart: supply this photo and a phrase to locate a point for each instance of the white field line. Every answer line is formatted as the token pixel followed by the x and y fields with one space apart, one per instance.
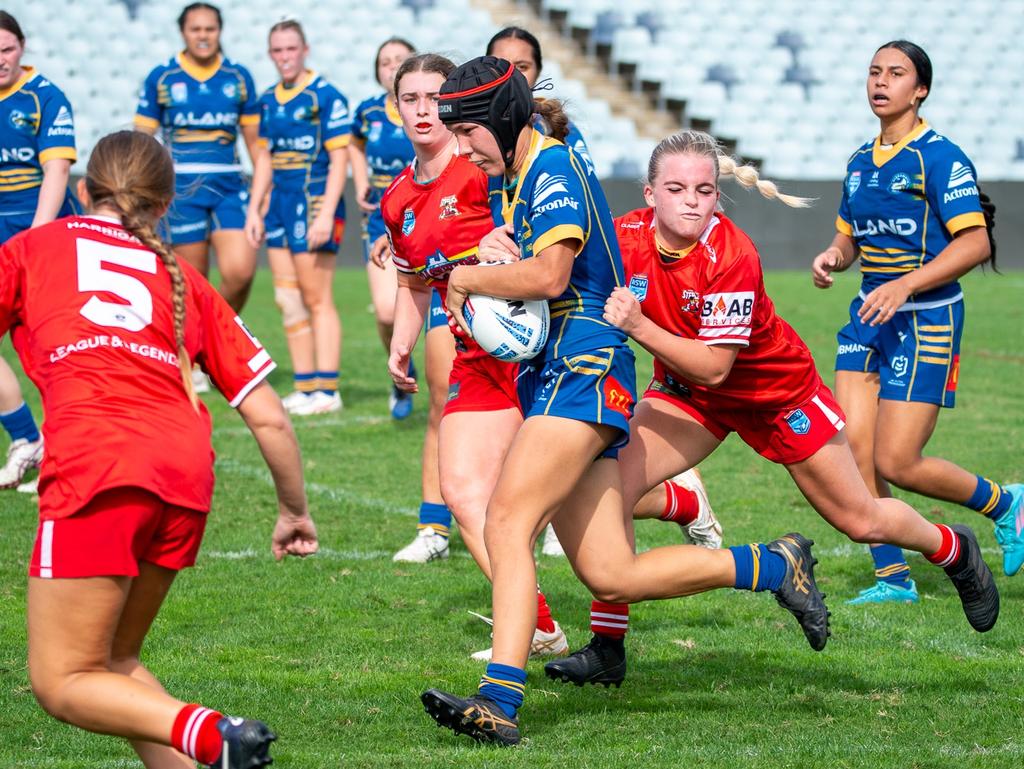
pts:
pixel 320 490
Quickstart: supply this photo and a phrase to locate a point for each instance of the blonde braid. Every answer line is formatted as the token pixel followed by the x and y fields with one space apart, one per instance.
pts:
pixel 747 176
pixel 143 230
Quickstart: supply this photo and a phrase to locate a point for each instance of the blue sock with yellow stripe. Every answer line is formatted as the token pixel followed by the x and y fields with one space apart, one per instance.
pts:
pixel 990 499
pixel 305 383
pixel 437 517
pixel 890 565
pixel 505 685
pixel 327 382
pixel 758 568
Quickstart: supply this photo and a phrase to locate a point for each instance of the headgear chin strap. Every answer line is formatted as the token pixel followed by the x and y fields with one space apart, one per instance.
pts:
pixel 490 92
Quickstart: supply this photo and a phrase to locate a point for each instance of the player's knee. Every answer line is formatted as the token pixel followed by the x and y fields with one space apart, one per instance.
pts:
pixel 864 526
pixel 465 503
pixel 294 313
pixel 50 693
pixel 896 468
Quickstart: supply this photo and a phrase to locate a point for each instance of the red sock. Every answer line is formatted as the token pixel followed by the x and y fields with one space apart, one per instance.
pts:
pixel 544 620
pixel 195 733
pixel 949 551
pixel 609 619
pixel 681 505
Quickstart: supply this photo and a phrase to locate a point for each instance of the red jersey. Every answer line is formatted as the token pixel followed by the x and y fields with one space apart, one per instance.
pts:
pixel 91 316
pixel 715 293
pixel 435 227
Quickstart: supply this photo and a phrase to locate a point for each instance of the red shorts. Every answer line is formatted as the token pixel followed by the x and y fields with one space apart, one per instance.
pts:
pixel 481 383
pixel 117 529
pixel 784 436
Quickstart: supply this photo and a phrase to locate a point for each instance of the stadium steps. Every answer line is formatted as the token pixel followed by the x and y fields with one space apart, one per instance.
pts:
pixel 650 123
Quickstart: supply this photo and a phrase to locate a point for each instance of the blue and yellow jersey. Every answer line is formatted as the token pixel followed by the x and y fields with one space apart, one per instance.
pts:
pixel 557 197
pixel 198 110
pixel 573 139
pixel 300 125
pixel 903 205
pixel 36 125
pixel 378 126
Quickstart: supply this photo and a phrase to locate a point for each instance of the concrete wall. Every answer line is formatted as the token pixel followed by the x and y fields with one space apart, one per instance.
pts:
pixel 787 239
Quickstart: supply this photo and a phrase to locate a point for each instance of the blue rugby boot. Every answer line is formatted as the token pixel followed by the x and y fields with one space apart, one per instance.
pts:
pixel 1010 531
pixel 886 592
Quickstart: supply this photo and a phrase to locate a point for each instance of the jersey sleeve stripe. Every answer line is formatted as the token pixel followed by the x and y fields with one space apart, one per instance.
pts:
pixel 259 359
pixel 141 121
pixel 337 143
pixel 964 221
pixel 67 153
pixel 557 233
pixel 844 227
pixel 249 119
pixel 263 373
pixel 738 341
pixel 743 331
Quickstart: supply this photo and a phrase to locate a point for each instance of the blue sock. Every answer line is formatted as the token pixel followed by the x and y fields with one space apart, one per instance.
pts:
pixel 412 368
pixel 758 568
pixel 990 499
pixel 505 685
pixel 20 424
pixel 327 382
pixel 890 565
pixel 436 516
pixel 305 383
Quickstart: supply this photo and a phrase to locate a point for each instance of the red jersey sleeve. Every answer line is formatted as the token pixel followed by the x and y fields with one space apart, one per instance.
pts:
pixel 230 354
pixel 10 283
pixel 392 210
pixel 734 286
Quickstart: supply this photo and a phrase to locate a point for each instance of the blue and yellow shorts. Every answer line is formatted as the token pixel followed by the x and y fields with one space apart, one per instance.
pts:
pixel 204 203
pixel 290 214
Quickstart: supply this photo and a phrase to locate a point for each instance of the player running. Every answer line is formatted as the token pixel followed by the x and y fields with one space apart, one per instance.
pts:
pixel 912 212
pixel 436 212
pixel 379 151
pixel 119 520
pixel 38 133
pixel 302 153
pixel 199 101
pixel 577 394
pixel 725 362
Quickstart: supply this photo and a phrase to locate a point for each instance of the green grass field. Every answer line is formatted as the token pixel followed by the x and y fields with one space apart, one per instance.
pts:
pixel 333 651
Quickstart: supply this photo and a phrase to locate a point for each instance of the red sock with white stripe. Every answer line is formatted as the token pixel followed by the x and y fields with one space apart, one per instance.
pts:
pixel 195 734
pixel 545 622
pixel 610 620
pixel 681 504
pixel 949 551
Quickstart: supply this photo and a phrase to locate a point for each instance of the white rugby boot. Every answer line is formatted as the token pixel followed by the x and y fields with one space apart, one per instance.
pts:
pixel 22 456
pixel 706 531
pixel 428 546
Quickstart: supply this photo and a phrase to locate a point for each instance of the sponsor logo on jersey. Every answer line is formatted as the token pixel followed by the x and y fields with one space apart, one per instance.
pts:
pixel 17 154
pixel 376 128
pixel 448 207
pixel 873 181
pixel 963 192
pixel 798 422
pixel 846 349
pixel 691 301
pixel 338 110
pixel 408 222
pixel 884 226
pixel 205 119
pixel 295 143
pixel 546 186
pixel 638 285
pixel 899 182
pixel 852 183
pixel 179 93
pixel 734 308
pixel 230 90
pixel 63 118
pixel 960 174
pixel 631 225
pixel 565 202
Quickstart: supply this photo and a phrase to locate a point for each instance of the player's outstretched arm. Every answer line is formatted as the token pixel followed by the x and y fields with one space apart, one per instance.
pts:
pixel 264 415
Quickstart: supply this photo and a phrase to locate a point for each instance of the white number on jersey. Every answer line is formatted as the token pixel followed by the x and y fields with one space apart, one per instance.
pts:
pixel 137 313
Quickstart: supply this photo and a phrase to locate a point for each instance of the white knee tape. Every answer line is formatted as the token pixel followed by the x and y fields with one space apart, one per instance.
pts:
pixel 293 311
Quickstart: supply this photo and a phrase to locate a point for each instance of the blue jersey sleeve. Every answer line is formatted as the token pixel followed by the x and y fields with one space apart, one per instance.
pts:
pixel 844 219
pixel 262 110
pixel 558 202
pixel 575 141
pixel 952 189
pixel 338 123
pixel 56 126
pixel 360 125
pixel 250 107
pixel 148 112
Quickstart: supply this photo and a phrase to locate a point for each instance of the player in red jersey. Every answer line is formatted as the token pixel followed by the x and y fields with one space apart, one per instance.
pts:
pixel 107 333
pixel 435 213
pixel 726 362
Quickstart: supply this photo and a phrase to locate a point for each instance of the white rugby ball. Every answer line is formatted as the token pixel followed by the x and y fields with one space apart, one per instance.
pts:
pixel 509 329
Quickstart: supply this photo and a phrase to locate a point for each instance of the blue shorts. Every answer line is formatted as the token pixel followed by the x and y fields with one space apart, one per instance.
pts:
pixel 12 224
pixel 436 316
pixel 292 211
pixel 204 203
pixel 372 229
pixel 916 354
pixel 598 387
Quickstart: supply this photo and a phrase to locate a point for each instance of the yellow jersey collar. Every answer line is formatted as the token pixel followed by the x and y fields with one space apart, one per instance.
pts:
pixel 285 95
pixel 880 156
pixel 391 110
pixel 196 72
pixel 28 74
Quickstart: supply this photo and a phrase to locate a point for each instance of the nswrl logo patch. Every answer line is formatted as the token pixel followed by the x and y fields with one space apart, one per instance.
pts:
pixel 798 422
pixel 638 285
pixel 408 222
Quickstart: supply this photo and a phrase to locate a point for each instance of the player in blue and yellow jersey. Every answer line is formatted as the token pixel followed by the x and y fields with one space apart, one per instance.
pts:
pixel 37 148
pixel 521 47
pixel 305 127
pixel 912 211
pixel 380 151
pixel 199 101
